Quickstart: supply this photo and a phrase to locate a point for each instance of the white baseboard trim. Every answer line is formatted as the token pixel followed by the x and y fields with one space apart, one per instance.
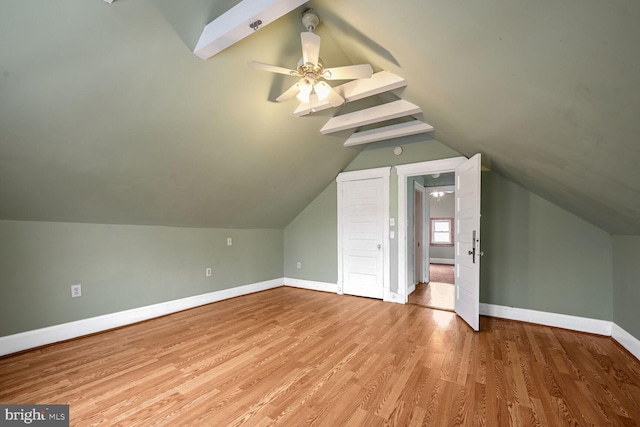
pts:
pixel 411 289
pixel 49 335
pixel 442 261
pixel 575 323
pixel 25 340
pixel 394 297
pixel 628 341
pixel 310 284
pixel 582 324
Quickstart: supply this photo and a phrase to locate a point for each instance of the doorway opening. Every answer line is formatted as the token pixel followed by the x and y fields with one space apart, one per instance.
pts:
pixel 466 231
pixel 431 213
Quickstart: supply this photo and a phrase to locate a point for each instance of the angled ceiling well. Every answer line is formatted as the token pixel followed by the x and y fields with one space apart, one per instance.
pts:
pixel 107 116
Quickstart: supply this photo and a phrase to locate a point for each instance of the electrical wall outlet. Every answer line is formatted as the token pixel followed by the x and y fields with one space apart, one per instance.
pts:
pixel 207 272
pixel 76 291
pixel 229 241
pixel 298 265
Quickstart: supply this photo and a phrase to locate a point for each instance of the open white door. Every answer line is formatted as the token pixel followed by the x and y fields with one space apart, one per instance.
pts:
pixel 467 241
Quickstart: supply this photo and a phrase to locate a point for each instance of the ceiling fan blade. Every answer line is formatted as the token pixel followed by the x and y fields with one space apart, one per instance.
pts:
pixel 272 68
pixel 332 96
pixel 310 47
pixel 289 93
pixel 349 72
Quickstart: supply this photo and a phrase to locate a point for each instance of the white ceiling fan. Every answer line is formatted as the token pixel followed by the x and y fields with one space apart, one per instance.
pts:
pixel 311 86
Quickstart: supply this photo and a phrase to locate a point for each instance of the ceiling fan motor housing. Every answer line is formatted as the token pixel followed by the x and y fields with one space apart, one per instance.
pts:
pixel 316 69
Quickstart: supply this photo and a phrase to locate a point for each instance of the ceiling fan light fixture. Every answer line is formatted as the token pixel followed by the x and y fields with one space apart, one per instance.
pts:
pixel 305 87
pixel 322 91
pixel 302 97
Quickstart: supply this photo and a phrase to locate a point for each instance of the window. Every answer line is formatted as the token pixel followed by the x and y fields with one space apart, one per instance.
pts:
pixel 442 231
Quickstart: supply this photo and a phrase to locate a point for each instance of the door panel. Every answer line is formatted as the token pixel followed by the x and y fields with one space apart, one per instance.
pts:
pixel 363 231
pixel 467 241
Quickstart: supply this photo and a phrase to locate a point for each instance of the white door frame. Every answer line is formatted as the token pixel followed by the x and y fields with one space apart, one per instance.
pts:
pixel 383 173
pixel 405 171
pixel 427 237
pixel 417 187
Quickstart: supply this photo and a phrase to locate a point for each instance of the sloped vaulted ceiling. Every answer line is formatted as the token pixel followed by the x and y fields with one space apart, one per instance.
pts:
pixel 107 116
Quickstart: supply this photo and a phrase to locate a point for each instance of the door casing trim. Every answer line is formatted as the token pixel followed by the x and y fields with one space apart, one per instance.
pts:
pixel 405 171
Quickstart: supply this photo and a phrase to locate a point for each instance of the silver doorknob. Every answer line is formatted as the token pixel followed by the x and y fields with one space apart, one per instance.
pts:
pixel 379 246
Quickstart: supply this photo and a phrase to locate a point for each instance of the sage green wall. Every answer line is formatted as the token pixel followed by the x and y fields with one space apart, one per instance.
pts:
pixel 380 154
pixel 442 252
pixel 626 283
pixel 538 256
pixel 311 239
pixel 120 267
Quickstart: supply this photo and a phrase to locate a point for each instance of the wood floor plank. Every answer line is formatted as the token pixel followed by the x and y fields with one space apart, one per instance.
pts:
pixel 296 357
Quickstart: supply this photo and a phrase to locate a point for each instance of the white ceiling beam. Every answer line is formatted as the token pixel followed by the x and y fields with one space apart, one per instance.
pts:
pixel 380 113
pixel 388 132
pixel 380 82
pixel 236 23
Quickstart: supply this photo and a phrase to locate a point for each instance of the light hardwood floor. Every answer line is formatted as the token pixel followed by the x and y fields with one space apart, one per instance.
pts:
pixel 434 295
pixel 296 357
